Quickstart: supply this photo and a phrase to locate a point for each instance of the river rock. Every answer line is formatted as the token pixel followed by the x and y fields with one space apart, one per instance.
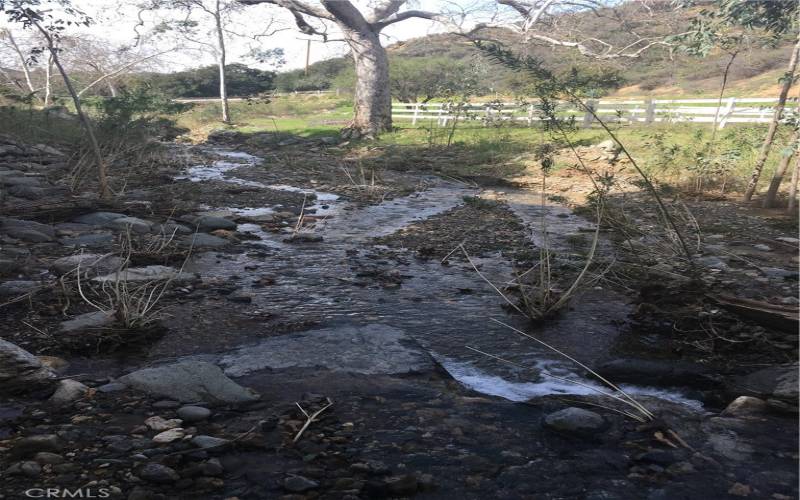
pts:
pixel 90 263
pixel 157 473
pixel 200 240
pixel 95 319
pixel 98 218
pixel 745 406
pixel 21 371
pixel 67 391
pixel 89 240
pixel 207 442
pixel 31 445
pixel 193 413
pixel 147 273
pixel 778 382
pixel 299 484
pixel 14 288
pixel 29 235
pixel 189 381
pixel 207 223
pixel 48 458
pixel 27 468
pixel 576 421
pixel 135 224
pixel 657 373
pixel 159 424
pixel 45 149
pixel 169 435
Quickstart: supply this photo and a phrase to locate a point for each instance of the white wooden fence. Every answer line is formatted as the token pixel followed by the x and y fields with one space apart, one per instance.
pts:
pixel 640 111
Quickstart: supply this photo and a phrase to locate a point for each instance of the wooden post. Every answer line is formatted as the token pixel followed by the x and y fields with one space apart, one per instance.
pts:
pixel 649 111
pixel 530 115
pixel 588 118
pixel 416 114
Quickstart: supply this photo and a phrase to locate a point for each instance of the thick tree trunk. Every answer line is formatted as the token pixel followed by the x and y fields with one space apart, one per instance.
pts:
pixel 788 79
pixel 373 98
pixel 777 178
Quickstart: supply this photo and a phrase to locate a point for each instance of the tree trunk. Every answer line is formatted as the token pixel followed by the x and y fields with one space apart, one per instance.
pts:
pixel 793 187
pixel 48 85
pixel 773 126
pixel 373 98
pixel 105 192
pixel 223 87
pixel 777 178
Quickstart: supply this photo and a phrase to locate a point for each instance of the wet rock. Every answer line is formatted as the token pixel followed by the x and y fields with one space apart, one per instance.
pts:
pixel 189 381
pixel 90 240
pixel 299 484
pixel 96 319
pixel 744 406
pixel 18 287
pixel 21 371
pixel 395 486
pixel 147 273
pixel 29 235
pixel 157 473
pixel 29 192
pixel 68 391
pixel 200 240
pixel 778 382
pixel 27 468
pixel 778 273
pixel 161 424
pixel 31 445
pixel 240 297
pixel 169 436
pixel 789 240
pixel 304 238
pixel 135 224
pixel 728 445
pixel 193 413
pixel 371 349
pixel 207 223
pixel 212 467
pixel 90 263
pixel 112 387
pixel 58 365
pixel 207 442
pixel 657 373
pixel 98 218
pixel 576 421
pixel 47 458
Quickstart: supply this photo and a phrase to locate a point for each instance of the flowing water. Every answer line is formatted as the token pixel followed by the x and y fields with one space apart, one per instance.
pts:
pixel 445 309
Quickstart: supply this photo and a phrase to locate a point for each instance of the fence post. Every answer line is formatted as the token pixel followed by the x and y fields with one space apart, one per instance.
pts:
pixel 649 111
pixel 588 118
pixel 416 114
pixel 530 115
pixel 728 112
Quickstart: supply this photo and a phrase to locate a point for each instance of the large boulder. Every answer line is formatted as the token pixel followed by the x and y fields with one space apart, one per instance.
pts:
pixel 21 371
pixel 189 381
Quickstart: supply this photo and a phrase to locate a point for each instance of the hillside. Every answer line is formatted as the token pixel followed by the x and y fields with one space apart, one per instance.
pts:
pixel 659 71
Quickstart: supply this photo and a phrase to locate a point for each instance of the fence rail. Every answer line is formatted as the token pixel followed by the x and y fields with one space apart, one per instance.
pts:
pixel 638 111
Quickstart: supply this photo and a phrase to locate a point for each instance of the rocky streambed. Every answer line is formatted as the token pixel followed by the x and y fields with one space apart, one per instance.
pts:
pixel 284 301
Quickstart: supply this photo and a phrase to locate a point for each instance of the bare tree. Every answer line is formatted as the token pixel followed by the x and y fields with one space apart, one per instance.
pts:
pixel 49 26
pixel 777 178
pixel 361 31
pixel 766 146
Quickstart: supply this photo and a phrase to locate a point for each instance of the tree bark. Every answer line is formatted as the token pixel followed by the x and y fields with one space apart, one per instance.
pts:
pixel 373 98
pixel 777 178
pixel 105 191
pixel 48 84
pixel 223 87
pixel 26 71
pixel 793 187
pixel 773 126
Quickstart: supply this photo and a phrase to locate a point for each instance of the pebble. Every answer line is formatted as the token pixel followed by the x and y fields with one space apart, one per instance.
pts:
pixel 193 413
pixel 169 436
pixel 161 424
pixel 209 442
pixel 299 484
pixel 575 420
pixel 157 473
pixel 31 445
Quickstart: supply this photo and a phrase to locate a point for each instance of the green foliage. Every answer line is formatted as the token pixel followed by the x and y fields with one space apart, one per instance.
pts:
pixel 320 76
pixel 204 82
pixel 140 112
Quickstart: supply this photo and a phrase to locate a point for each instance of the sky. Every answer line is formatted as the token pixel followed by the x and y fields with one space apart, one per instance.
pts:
pixel 115 21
